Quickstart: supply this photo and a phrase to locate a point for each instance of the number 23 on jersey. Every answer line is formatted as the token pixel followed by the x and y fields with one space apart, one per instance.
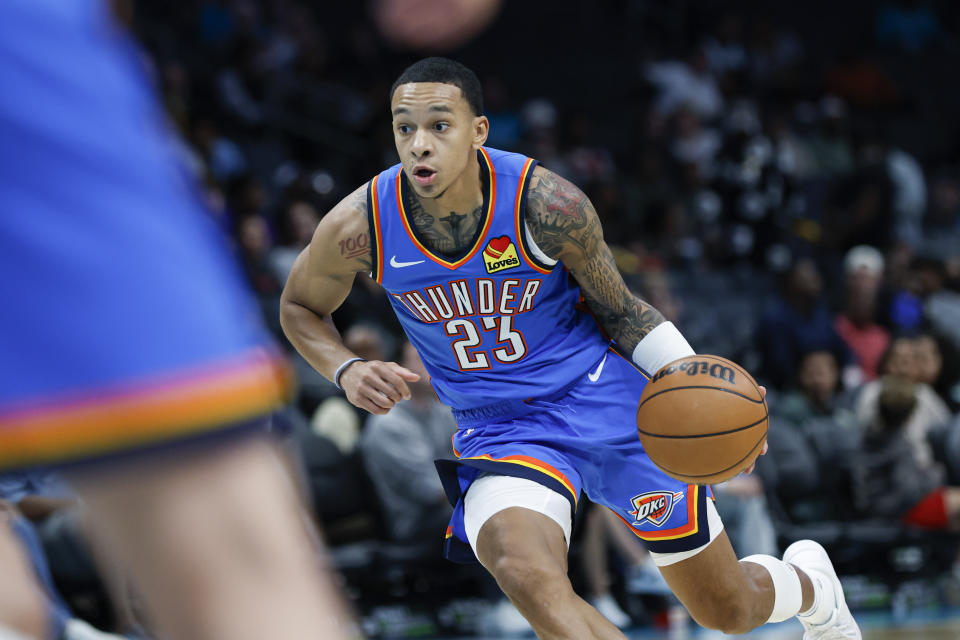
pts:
pixel 510 345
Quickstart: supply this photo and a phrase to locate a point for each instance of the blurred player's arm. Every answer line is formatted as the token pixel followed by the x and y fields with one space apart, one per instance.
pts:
pixel 565 226
pixel 319 282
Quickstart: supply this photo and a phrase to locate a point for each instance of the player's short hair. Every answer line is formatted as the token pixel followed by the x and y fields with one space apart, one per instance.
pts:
pixel 446 71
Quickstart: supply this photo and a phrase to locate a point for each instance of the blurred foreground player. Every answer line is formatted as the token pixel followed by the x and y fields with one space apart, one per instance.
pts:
pixel 124 328
pixel 475 248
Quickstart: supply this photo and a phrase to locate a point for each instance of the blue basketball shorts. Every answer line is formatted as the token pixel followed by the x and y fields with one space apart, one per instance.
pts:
pixel 580 440
pixel 124 320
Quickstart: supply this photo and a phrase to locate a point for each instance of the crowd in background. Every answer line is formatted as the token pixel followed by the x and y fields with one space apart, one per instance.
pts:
pixel 787 193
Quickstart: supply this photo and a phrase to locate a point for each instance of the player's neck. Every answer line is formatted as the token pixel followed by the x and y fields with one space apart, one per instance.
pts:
pixel 463 195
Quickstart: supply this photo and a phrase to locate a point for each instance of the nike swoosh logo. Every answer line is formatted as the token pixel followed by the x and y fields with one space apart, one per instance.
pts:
pixel 596 374
pixel 399 265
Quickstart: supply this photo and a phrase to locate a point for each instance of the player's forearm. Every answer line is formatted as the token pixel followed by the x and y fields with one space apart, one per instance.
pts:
pixel 315 337
pixel 629 322
pixel 623 316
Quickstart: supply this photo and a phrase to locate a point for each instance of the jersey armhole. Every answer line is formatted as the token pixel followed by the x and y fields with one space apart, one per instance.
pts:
pixel 373 221
pixel 534 255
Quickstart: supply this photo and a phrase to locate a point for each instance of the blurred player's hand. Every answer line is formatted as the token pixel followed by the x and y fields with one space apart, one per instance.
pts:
pixel 376 386
pixel 763 451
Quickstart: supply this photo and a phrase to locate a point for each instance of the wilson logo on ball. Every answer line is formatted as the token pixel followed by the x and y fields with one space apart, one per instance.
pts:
pixel 500 254
pixel 715 370
pixel 654 507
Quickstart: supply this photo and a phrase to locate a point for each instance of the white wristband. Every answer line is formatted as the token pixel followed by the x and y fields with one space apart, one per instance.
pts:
pixel 660 347
pixel 342 368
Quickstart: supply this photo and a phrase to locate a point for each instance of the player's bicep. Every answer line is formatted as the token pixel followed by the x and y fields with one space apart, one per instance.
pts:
pixel 315 284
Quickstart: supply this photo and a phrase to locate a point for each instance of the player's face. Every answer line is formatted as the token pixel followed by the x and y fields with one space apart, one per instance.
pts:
pixel 436 134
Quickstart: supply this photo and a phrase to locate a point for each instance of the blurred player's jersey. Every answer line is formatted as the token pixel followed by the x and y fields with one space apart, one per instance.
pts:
pixel 123 319
pixel 495 323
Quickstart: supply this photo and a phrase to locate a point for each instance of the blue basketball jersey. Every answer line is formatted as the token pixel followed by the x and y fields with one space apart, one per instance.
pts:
pixel 493 323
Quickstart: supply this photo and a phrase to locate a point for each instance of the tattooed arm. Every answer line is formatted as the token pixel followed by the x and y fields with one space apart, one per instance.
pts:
pixel 319 282
pixel 565 226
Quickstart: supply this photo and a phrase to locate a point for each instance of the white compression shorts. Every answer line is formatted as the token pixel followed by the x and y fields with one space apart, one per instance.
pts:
pixel 492 493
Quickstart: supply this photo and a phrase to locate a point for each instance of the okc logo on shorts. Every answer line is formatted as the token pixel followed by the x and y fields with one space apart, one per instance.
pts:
pixel 654 506
pixel 500 254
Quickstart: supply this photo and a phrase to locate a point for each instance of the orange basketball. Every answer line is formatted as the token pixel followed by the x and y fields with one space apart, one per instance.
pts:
pixel 702 419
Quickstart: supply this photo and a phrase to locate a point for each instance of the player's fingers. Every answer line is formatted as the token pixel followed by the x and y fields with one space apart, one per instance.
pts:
pixel 377 401
pixel 763 391
pixel 766 446
pixel 403 372
pixel 391 376
pixel 383 384
pixel 364 403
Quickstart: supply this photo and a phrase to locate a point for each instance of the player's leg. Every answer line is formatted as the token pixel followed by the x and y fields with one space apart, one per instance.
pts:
pixel 519 531
pixel 23 611
pixel 734 596
pixel 215 543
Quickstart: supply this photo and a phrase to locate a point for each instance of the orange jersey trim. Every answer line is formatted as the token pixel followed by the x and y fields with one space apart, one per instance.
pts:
pixel 454 446
pixel 691 527
pixel 537 465
pixel 103 422
pixel 375 208
pixel 516 217
pixel 491 207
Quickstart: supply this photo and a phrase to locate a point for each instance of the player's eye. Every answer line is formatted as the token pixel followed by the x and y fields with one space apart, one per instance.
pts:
pixel 403 128
pixel 441 126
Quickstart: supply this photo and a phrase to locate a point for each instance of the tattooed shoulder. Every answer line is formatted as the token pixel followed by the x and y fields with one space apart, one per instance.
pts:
pixel 560 215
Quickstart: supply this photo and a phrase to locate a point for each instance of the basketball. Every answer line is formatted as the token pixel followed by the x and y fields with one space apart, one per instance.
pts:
pixel 702 419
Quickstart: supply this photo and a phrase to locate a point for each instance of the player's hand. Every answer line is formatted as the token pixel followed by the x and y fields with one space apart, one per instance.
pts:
pixel 376 386
pixel 763 451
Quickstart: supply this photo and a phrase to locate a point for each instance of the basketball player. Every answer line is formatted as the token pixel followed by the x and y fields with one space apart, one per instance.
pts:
pixel 485 256
pixel 124 326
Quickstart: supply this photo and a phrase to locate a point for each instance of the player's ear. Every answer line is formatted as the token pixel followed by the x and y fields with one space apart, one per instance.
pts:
pixel 481 129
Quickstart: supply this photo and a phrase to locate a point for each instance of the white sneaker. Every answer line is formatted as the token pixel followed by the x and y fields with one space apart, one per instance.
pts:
pixel 610 610
pixel 812 558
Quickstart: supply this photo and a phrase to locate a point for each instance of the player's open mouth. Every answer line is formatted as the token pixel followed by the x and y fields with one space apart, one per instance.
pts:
pixel 423 175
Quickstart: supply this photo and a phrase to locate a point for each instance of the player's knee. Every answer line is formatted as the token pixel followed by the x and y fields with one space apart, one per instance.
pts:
pixel 731 613
pixel 524 580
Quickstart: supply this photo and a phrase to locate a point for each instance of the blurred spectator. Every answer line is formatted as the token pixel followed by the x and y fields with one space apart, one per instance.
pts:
pixel 743 508
pixel 941 305
pixel 816 396
pixel 860 210
pixel 686 83
pixel 297 224
pixel 944 212
pixel 909 193
pixel 831 146
pixel 609 545
pixel 903 360
pixel 725 50
pixel 693 143
pixel 938 365
pixel 796 323
pixel 890 480
pixel 398 451
pixel 223 157
pixel 863 271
